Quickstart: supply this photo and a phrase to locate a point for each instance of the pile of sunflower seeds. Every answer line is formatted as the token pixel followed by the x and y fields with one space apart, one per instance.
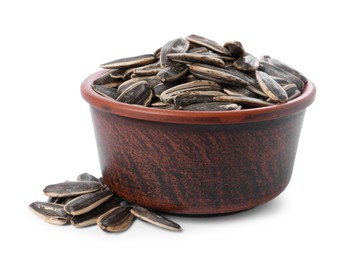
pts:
pixel 198 74
pixel 88 201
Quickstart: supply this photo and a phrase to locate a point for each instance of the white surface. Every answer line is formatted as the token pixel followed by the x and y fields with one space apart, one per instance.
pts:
pixel 48 48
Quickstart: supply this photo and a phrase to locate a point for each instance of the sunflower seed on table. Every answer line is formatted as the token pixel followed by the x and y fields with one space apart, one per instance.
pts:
pixel 86 177
pixel 87 202
pixel 116 220
pixel 90 218
pixel 71 188
pixel 101 206
pixel 130 62
pixel 271 87
pixel 210 44
pixel 153 218
pixel 51 212
pixel 212 106
pixel 190 58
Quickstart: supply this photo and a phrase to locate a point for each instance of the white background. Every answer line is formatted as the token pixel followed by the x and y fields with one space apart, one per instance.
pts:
pixel 49 47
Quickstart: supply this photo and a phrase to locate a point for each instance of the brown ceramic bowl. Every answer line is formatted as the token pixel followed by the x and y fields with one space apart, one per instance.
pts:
pixel 189 162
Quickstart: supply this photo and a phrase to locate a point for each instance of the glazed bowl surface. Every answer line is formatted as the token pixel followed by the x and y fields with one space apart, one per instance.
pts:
pixel 188 162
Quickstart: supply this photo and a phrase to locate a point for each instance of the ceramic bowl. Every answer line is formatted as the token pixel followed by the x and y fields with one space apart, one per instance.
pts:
pixel 189 162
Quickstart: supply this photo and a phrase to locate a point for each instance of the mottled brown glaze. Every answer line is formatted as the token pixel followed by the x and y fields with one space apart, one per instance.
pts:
pixel 196 162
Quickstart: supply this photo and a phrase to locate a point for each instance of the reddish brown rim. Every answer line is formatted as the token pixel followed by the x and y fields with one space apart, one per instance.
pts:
pixel 192 117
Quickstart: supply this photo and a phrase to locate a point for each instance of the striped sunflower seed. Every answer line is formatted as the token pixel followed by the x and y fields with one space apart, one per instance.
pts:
pixel 235 48
pixel 153 218
pixel 71 188
pixel 249 101
pixel 194 97
pixel 168 95
pixel 51 212
pixel 86 177
pixel 190 58
pixel 175 46
pixel 138 93
pixel 247 63
pixel 212 106
pixel 131 62
pixel 90 218
pixel 212 45
pixel 116 220
pixel 87 202
pixel 172 73
pixel 271 87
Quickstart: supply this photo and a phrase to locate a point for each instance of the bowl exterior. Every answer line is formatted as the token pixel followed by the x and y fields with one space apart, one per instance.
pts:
pixel 196 168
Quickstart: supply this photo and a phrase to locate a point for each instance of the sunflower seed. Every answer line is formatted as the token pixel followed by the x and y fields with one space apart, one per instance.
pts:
pixel 86 177
pixel 71 188
pixel 87 202
pixel 50 212
pixel 107 80
pixel 198 50
pixel 91 217
pixel 147 70
pixel 219 75
pixel 295 94
pixel 130 62
pixel 172 73
pixel 281 65
pixel 155 219
pixel 106 92
pixel 115 220
pixel 194 58
pixel 194 97
pixel 212 106
pixel 168 95
pixel 265 58
pixel 190 58
pixel 254 102
pixel 117 74
pixel 235 48
pixel 212 45
pixel 246 63
pixel 238 91
pixel 138 93
pixel 175 46
pixel 271 87
pixel 275 71
pixel 290 88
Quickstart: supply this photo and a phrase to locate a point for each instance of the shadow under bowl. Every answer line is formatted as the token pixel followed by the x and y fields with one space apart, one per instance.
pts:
pixel 189 162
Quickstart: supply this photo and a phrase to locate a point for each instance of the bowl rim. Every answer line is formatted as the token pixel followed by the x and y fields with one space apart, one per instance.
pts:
pixel 195 117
